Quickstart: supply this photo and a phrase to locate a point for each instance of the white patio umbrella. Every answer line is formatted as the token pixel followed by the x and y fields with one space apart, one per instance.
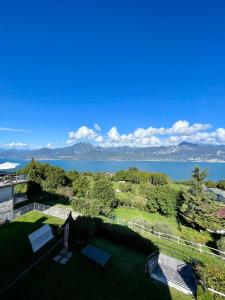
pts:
pixel 8 166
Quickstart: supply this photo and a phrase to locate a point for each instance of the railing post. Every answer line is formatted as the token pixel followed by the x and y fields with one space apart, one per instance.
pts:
pixel 200 247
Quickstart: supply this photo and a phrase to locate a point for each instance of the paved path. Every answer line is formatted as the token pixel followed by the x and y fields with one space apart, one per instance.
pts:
pixel 60 212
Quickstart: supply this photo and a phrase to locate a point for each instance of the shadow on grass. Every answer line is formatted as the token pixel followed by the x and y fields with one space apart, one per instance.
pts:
pixel 123 278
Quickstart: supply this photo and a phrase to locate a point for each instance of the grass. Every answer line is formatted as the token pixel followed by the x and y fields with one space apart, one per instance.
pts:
pixel 129 213
pixel 177 228
pixel 80 278
pixel 178 251
pixel 15 250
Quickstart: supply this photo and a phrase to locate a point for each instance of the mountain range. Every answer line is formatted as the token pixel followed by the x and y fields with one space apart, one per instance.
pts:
pixel 84 151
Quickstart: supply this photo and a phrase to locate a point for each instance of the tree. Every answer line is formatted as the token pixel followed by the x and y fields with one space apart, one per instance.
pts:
pixel 104 193
pixel 162 199
pixel 196 206
pixel 81 186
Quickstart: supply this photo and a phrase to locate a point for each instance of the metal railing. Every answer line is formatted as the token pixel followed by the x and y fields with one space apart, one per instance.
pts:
pixel 176 239
pixel 9 216
pixel 13 179
pixel 19 198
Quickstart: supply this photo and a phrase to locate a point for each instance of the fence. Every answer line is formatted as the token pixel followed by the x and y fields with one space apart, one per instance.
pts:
pixel 178 240
pixel 13 179
pixel 9 216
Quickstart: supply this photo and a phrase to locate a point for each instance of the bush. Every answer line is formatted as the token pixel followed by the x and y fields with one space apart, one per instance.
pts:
pixel 221 244
pixel 193 235
pixel 221 184
pixel 91 207
pixel 142 222
pixel 81 186
pixel 103 190
pixel 125 236
pixel 126 187
pixel 163 228
pixel 83 228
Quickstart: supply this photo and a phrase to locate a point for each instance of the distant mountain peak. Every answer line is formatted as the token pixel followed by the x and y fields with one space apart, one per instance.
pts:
pixel 84 151
pixel 187 144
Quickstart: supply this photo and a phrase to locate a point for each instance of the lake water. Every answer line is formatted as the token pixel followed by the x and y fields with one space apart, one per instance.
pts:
pixel 176 170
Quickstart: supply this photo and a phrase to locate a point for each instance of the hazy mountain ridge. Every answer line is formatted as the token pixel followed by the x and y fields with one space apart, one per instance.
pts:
pixel 84 151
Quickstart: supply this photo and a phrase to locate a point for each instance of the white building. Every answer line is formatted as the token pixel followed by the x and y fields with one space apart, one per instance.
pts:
pixel 8 199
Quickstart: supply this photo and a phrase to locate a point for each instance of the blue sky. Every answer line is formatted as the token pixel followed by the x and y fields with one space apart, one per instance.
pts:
pixel 124 65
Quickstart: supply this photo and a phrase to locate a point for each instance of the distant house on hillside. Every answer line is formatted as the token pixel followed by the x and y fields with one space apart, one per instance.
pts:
pixel 218 193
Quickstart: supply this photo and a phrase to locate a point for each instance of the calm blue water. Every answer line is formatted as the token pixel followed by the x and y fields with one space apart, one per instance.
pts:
pixel 176 170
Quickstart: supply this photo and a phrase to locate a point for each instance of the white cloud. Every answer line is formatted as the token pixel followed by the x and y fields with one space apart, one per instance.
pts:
pixel 7 129
pixel 113 134
pixel 184 128
pixel 84 133
pixel 179 132
pixel 49 145
pixel 16 145
pixel 97 127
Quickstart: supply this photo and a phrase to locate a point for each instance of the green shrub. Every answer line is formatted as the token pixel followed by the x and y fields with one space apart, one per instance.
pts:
pixel 221 244
pixel 162 227
pixel 142 222
pixel 221 184
pixel 193 235
pixel 126 187
pixel 125 236
pixel 213 277
pixel 83 228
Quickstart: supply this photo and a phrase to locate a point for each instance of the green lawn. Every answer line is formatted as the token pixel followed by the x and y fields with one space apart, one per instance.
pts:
pixel 178 229
pixel 128 214
pixel 122 278
pixel 15 250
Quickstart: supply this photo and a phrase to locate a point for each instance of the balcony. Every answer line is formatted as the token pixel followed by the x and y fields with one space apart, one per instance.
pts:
pixel 8 180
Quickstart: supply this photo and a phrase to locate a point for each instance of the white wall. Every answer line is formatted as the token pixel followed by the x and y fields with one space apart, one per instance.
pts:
pixel 6 193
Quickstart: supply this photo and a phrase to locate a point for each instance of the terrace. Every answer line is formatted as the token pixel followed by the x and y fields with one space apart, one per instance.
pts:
pixel 12 179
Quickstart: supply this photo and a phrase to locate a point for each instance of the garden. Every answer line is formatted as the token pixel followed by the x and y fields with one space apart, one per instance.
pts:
pixel 80 278
pixel 182 209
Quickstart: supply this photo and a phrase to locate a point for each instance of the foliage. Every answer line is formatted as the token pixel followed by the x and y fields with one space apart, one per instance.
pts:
pixel 83 227
pixel 125 236
pixel 141 222
pixel 162 199
pixel 211 184
pixel 133 175
pixel 81 186
pixel 65 191
pixel 213 277
pixel 163 228
pixel 43 177
pixel 126 187
pixel 20 188
pixel 103 191
pixel 158 178
pixel 190 234
pixel 221 244
pixel 89 207
pixel 72 176
pixel 221 184
pixel 196 206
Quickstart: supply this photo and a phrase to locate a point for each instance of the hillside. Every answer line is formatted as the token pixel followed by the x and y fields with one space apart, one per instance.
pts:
pixel 84 151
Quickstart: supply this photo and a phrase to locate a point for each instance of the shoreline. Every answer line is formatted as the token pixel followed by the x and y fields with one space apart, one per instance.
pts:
pixel 118 160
